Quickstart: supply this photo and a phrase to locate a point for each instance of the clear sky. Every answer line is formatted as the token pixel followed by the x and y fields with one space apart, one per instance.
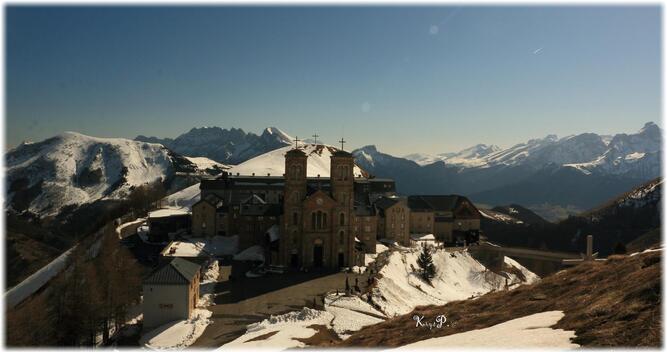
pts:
pixel 407 79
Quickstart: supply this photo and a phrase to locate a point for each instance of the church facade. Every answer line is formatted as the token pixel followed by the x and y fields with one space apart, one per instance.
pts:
pixel 326 222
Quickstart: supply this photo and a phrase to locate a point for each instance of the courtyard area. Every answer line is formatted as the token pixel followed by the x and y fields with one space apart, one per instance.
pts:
pixel 244 301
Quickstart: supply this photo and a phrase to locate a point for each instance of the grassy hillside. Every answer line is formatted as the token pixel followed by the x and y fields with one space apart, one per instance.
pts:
pixel 614 303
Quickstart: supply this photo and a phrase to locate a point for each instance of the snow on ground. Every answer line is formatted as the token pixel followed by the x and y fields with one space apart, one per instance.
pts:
pixel 497 216
pixel 285 328
pixel 423 237
pixel 532 331
pixel 207 286
pixel 254 253
pixel 166 212
pixel 177 335
pixel 119 229
pixel 273 162
pixel 531 277
pixel 34 282
pixel 185 198
pixel 647 251
pixel 370 257
pixel 194 247
pixel 459 276
pixel 204 163
pixel 212 272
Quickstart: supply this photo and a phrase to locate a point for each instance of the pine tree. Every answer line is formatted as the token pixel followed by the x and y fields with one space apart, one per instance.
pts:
pixel 620 248
pixel 426 266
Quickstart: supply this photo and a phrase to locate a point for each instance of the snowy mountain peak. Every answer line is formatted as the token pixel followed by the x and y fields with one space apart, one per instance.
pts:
pixel 276 135
pixel 73 169
pixel 649 127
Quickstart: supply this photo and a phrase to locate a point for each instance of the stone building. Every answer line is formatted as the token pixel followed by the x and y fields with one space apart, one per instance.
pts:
pixel 324 221
pixel 394 220
pixel 450 218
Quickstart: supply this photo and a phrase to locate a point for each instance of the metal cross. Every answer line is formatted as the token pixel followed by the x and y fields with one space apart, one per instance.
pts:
pixel 315 136
pixel 296 142
pixel 342 143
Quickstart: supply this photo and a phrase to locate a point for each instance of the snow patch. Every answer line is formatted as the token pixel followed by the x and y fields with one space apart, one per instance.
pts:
pixel 532 331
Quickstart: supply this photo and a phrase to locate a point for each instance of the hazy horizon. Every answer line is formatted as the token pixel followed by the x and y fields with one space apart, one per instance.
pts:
pixel 407 79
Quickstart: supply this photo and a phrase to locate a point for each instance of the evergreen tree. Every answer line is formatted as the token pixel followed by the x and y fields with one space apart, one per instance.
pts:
pixel 426 266
pixel 620 248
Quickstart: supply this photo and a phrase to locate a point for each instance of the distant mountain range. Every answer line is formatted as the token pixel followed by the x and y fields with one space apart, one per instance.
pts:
pixel 571 173
pixel 574 172
pixel 225 146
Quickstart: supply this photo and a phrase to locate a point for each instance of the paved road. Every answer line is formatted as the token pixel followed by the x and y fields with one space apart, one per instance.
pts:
pixel 247 301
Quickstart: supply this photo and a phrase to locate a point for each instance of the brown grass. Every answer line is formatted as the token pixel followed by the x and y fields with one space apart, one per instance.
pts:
pixel 612 303
pixel 263 337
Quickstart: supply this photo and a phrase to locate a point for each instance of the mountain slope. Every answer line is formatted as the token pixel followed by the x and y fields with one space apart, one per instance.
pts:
pixel 73 169
pixel 623 219
pixel 622 308
pixel 225 146
pixel 273 162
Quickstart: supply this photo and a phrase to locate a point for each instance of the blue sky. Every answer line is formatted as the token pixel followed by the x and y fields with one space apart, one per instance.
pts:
pixel 407 79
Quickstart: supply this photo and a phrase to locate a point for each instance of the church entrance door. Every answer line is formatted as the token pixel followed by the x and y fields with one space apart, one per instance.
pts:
pixel 317 255
pixel 341 260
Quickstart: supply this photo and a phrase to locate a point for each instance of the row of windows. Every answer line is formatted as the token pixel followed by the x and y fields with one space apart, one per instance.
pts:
pixel 318 219
pixel 341 238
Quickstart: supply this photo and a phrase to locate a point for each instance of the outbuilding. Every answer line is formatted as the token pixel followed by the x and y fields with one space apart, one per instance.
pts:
pixel 170 292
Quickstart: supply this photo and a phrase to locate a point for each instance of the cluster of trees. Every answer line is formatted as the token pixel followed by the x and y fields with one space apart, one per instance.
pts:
pixel 86 301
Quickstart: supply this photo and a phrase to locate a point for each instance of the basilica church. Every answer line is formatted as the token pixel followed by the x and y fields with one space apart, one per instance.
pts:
pixel 302 221
pixel 324 222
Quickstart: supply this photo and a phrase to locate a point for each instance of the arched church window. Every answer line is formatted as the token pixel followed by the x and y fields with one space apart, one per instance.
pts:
pixel 341 237
pixel 324 220
pixel 341 219
pixel 295 218
pixel 313 220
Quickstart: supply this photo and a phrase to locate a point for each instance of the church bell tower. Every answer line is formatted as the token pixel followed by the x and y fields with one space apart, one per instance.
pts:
pixel 296 163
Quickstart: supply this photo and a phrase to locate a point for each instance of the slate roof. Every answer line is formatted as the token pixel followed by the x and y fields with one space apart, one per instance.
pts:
pixel 434 202
pixel 176 272
pixel 385 202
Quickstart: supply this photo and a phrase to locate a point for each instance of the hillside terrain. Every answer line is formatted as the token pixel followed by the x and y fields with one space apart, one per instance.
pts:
pixel 634 218
pixel 616 303
pixel 65 187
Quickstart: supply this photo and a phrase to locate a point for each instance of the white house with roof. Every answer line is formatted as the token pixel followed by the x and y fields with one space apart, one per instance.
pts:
pixel 170 292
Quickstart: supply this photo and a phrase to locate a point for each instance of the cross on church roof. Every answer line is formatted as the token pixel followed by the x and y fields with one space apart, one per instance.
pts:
pixel 296 142
pixel 342 143
pixel 315 136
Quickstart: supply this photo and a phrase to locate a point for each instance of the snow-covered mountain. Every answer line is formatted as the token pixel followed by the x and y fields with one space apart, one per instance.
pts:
pixel 231 146
pixel 273 162
pixel 75 169
pixel 635 154
pixel 469 157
